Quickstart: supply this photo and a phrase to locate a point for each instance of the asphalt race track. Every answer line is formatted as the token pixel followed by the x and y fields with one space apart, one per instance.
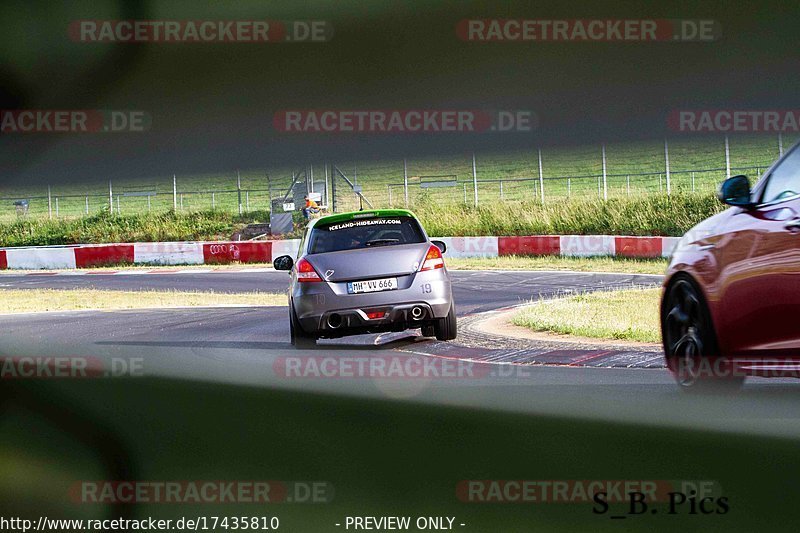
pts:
pixel 475 291
pixel 250 346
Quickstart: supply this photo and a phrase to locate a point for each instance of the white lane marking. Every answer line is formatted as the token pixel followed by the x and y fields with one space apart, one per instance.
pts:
pixel 135 309
pixel 521 271
pixel 136 272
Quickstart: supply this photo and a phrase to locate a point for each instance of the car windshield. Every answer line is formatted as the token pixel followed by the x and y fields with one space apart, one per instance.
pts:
pixel 364 233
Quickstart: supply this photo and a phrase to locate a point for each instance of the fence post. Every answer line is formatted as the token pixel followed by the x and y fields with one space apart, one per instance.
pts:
pixel 56 206
pixel 605 181
pixel 269 189
pixel 174 193
pixel 666 167
pixel 474 179
pixel 780 144
pixel 660 184
pixel 333 191
pixel 569 187
pixel 238 190
pixel 501 190
pixel 692 181
pixel 148 203
pixel 87 205
pixel 119 211
pixel 465 193
pixel 628 184
pixel 110 198
pixel 50 204
pixel 213 201
pixel 541 177
pixel 727 158
pixel 247 199
pixel 405 179
pixel 389 188
pixel 327 192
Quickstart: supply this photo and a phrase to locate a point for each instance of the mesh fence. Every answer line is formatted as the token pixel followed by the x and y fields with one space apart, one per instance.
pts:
pixel 681 165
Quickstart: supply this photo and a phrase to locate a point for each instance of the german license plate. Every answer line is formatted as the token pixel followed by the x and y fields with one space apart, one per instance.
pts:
pixel 373 285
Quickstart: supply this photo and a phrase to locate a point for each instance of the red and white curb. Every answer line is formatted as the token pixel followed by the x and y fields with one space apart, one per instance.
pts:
pixel 562 245
pixel 216 253
pixel 148 253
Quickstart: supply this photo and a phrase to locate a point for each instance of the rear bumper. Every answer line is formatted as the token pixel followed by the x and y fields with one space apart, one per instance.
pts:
pixel 320 310
pixel 350 321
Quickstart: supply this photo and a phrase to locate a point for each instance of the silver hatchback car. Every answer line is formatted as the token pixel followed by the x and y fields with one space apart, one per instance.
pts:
pixel 368 272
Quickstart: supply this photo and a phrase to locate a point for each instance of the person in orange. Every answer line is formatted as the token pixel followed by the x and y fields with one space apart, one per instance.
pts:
pixel 311 207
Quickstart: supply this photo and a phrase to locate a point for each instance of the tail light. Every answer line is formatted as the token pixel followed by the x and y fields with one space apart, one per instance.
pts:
pixel 433 259
pixel 306 272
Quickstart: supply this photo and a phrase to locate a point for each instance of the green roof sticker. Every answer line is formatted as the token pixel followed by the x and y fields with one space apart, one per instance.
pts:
pixel 342 217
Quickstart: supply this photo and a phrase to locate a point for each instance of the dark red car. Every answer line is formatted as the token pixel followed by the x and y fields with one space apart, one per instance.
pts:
pixel 731 301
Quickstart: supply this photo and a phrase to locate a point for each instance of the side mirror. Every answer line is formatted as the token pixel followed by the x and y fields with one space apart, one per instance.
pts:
pixel 440 245
pixel 283 262
pixel 735 191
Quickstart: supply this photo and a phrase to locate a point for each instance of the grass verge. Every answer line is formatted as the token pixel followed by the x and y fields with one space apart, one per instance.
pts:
pixel 649 215
pixel 106 227
pixel 580 264
pixel 629 315
pixel 35 300
pixel 506 262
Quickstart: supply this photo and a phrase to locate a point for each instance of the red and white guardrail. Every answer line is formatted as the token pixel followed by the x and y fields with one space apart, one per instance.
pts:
pixel 200 253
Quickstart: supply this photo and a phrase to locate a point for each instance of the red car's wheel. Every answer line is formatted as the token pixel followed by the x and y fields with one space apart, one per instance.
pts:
pixel 690 344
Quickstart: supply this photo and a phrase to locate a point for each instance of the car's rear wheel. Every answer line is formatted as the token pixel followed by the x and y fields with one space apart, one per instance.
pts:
pixel 298 337
pixel 428 331
pixel 690 343
pixel 446 329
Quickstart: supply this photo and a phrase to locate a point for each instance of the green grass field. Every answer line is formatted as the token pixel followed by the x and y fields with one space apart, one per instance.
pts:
pixel 565 170
pixel 641 215
pixel 38 300
pixel 628 315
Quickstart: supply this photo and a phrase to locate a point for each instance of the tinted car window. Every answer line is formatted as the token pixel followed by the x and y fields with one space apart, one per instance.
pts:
pixel 364 233
pixel 784 181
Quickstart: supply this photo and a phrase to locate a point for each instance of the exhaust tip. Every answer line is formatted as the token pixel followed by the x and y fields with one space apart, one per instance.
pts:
pixel 417 312
pixel 334 320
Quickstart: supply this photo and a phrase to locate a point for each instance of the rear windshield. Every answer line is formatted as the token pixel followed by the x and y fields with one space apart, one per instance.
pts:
pixel 364 233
